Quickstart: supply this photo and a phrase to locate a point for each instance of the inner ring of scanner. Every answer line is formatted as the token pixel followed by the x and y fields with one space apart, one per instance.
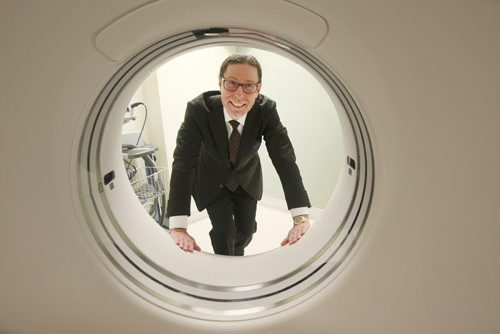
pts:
pixel 143 257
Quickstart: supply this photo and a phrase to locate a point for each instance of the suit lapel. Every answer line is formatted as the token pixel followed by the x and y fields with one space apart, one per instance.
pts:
pixel 218 127
pixel 249 133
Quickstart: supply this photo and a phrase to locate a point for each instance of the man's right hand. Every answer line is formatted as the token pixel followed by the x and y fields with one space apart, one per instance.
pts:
pixel 184 240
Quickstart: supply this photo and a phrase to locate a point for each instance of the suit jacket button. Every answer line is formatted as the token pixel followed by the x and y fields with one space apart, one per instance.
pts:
pixel 221 186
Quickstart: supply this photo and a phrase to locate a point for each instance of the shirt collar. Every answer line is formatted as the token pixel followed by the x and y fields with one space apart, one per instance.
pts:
pixel 240 120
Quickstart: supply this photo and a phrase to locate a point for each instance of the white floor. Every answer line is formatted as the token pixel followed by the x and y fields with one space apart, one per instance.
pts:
pixel 272 228
pixel 273 225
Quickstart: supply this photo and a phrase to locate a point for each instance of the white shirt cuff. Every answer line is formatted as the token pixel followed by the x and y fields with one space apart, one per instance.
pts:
pixel 177 222
pixel 299 211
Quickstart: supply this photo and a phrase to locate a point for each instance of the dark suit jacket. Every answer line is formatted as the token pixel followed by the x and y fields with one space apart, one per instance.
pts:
pixel 201 161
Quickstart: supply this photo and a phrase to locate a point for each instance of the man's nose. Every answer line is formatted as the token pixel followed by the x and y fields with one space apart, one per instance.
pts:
pixel 239 91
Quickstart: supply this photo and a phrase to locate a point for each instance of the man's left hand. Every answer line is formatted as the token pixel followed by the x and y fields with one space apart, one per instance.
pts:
pixel 296 233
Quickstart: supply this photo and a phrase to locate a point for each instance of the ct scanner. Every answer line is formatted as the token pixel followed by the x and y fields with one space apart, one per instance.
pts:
pixel 409 242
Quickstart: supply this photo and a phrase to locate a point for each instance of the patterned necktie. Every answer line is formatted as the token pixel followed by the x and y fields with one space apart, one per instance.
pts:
pixel 234 142
pixel 234 148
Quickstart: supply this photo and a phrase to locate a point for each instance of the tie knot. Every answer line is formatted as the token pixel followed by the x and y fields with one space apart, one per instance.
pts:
pixel 234 124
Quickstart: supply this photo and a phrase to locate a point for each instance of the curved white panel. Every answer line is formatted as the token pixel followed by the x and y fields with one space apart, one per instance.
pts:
pixel 145 25
pixel 229 288
pixel 425 73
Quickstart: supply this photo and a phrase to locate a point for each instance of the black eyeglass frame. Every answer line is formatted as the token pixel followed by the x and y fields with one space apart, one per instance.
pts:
pixel 243 85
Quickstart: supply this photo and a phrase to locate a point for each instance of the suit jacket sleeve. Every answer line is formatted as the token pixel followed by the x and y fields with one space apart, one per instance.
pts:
pixel 186 155
pixel 283 157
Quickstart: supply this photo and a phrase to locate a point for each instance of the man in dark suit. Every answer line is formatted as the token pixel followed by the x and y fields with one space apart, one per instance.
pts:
pixel 216 161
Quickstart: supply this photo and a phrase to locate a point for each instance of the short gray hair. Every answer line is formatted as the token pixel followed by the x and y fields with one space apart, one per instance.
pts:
pixel 238 58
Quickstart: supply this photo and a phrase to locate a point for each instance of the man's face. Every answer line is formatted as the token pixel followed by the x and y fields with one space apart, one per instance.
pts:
pixel 238 103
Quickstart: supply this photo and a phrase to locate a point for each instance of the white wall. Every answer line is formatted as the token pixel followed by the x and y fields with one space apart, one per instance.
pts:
pixel 153 133
pixel 312 123
pixel 311 119
pixel 134 126
pixel 180 80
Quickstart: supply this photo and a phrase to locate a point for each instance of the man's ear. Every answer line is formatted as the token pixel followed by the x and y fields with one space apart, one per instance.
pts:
pixel 220 83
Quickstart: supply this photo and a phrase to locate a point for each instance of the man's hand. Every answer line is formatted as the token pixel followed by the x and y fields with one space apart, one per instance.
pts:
pixel 296 232
pixel 184 240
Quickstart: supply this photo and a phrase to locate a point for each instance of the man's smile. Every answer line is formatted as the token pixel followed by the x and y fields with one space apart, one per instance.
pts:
pixel 238 104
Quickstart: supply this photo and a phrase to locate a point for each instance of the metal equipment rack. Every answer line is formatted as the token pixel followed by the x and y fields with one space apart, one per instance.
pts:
pixel 147 181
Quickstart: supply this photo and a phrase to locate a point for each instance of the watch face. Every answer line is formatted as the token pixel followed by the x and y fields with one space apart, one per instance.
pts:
pixel 298 220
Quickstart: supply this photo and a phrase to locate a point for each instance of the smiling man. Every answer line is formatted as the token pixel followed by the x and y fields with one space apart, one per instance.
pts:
pixel 216 161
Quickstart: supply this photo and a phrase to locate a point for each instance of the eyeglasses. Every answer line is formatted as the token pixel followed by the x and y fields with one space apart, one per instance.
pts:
pixel 232 86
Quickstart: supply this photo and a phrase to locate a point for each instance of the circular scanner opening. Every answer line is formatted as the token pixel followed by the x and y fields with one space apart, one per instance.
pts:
pixel 142 255
pixel 156 113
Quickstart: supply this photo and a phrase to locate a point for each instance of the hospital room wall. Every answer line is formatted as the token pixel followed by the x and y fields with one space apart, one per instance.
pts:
pixel 311 120
pixel 153 133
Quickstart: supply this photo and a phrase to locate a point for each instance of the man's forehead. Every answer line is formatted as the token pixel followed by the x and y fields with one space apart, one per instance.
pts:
pixel 236 71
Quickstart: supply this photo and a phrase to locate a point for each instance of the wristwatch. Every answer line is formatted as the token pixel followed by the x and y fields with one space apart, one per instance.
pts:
pixel 299 219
